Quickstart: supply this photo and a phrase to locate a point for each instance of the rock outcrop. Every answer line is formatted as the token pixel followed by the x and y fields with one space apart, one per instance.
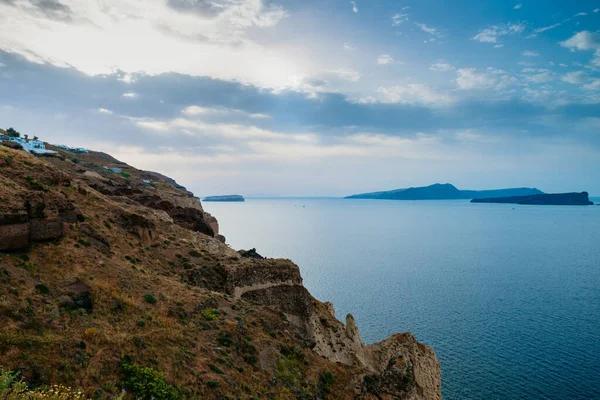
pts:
pixel 550 199
pixel 111 267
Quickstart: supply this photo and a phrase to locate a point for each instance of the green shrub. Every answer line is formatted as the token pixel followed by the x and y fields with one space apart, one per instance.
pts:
pixel 225 338
pixel 210 314
pixel 35 184
pixel 146 383
pixel 212 384
pixel 149 298
pixel 43 289
pixel 216 369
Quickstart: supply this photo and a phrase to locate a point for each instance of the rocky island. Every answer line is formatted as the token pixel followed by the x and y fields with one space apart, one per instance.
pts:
pixel 229 197
pixel 119 284
pixel 446 191
pixel 554 199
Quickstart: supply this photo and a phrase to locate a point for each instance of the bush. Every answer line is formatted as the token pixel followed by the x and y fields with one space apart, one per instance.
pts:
pixel 13 388
pixel 210 314
pixel 11 132
pixel 146 383
pixel 43 289
pixel 216 369
pixel 149 298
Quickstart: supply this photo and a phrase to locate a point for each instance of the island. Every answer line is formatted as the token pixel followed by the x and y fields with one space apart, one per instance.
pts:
pixel 229 197
pixel 445 191
pixel 551 199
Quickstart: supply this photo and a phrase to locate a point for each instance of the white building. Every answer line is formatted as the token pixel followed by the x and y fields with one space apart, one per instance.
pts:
pixel 31 146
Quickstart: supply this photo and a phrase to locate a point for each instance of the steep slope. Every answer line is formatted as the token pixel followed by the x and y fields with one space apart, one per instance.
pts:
pixel 103 270
pixel 446 191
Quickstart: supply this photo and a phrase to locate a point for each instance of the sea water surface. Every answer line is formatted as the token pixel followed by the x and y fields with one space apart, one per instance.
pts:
pixel 507 295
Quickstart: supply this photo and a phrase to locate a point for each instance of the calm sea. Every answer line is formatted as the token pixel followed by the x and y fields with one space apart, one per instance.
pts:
pixel 507 295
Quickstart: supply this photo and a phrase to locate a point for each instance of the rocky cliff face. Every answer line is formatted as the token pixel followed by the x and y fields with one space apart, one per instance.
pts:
pixel 97 267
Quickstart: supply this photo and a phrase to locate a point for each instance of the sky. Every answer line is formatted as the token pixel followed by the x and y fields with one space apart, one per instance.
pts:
pixel 314 98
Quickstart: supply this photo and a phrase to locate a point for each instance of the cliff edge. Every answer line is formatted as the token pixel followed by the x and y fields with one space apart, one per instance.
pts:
pixel 105 268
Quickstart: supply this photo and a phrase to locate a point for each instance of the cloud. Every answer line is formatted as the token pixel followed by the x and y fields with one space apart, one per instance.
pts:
pixel 384 59
pixel 349 47
pixel 427 29
pixel 530 53
pixel 47 9
pixel 472 79
pixel 104 111
pixel 442 67
pixel 518 6
pixel 194 37
pixel 214 111
pixel 491 34
pixel 347 74
pixel 547 28
pixel 354 7
pixel 129 95
pixel 584 40
pixel 597 10
pixel 575 77
pixel 399 18
pixel 593 85
pixel 498 46
pixel 413 94
pixel 543 77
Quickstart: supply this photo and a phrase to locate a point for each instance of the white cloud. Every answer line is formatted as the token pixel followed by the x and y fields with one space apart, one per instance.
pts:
pixel 413 94
pixel 518 6
pixel 530 53
pixel 347 74
pixel 354 7
pixel 104 111
pixel 593 85
pixel 442 67
pixel 543 77
pixel 547 28
pixel 349 47
pixel 498 46
pixel 2 65
pixel 207 111
pixel 197 128
pixel 597 10
pixel 491 34
pixel 129 95
pixel 427 29
pixel 584 40
pixel 153 38
pixel 384 59
pixel 399 18
pixel 575 77
pixel 493 78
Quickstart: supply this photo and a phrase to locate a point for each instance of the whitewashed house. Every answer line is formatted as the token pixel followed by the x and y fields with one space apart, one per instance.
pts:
pixel 31 146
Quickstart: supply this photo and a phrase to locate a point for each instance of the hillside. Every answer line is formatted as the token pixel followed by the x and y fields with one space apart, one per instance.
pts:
pixel 446 191
pixel 114 278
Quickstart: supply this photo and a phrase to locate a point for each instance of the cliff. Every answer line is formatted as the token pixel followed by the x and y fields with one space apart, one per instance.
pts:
pixel 104 272
pixel 556 199
pixel 231 197
pixel 444 191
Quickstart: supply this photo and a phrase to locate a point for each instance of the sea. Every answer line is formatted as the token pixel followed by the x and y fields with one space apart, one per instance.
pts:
pixel 508 296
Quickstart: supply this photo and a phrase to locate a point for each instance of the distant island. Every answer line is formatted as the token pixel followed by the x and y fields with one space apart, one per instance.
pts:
pixel 554 199
pixel 230 197
pixel 445 191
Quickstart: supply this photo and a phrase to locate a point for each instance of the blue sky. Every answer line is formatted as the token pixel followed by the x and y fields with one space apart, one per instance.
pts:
pixel 315 97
